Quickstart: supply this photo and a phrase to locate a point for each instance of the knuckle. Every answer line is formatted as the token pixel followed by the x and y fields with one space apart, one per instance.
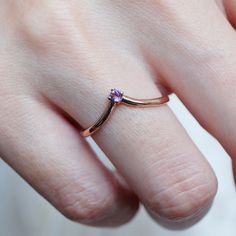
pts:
pixel 183 199
pixel 165 3
pixel 85 212
pixel 84 205
pixel 168 6
pixel 52 21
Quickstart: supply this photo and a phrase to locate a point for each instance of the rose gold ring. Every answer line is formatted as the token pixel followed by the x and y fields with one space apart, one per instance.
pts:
pixel 117 97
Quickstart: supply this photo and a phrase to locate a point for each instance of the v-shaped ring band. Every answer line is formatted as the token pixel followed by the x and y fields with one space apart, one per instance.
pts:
pixel 117 97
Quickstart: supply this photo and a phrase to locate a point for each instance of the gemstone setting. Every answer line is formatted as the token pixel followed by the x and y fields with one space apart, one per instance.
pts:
pixel 115 96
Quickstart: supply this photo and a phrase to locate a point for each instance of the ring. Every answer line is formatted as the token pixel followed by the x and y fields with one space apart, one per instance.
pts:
pixel 117 97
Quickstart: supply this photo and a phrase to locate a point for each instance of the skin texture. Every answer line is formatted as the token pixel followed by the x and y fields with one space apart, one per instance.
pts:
pixel 59 59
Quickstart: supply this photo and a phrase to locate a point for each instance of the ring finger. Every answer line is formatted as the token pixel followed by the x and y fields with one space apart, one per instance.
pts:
pixel 148 146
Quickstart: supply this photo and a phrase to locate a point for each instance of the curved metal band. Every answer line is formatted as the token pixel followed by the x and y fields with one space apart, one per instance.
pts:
pixel 128 101
pixel 144 102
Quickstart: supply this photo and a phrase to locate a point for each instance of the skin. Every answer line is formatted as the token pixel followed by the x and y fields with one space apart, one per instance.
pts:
pixel 59 59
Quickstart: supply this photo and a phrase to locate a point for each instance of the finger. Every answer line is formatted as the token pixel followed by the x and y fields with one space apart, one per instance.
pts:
pixel 230 8
pixel 202 70
pixel 148 146
pixel 47 151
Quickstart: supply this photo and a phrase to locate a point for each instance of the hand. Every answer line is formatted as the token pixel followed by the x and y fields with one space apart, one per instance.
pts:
pixel 59 59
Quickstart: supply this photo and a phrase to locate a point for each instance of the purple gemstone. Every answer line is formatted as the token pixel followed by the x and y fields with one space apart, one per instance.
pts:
pixel 115 96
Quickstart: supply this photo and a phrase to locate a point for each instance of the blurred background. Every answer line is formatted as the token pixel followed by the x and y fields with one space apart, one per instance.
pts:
pixel 24 213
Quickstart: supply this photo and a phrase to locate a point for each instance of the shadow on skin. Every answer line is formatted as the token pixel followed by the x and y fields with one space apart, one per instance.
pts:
pixel 183 223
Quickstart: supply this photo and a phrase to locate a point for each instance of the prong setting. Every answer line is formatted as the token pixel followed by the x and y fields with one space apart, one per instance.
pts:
pixel 116 95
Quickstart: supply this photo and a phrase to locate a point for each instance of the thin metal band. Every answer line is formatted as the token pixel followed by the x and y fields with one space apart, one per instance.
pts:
pixel 101 121
pixel 128 101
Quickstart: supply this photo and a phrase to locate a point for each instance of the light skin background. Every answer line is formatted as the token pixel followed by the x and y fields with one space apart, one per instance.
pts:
pixel 58 61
